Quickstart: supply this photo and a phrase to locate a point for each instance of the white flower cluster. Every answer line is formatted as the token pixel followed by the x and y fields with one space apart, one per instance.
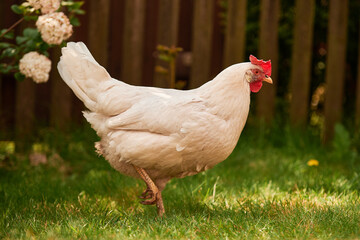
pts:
pixel 35 66
pixel 46 6
pixel 54 27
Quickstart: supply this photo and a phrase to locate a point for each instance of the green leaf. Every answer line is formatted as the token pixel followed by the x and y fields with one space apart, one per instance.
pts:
pixel 5 68
pixel 16 9
pixel 63 44
pixel 9 35
pixel 43 47
pixel 19 76
pixel 8 52
pixel 46 53
pixel 72 5
pixel 30 45
pixel 31 32
pixel 67 3
pixel 5 45
pixel 75 21
pixel 78 5
pixel 21 39
pixel 30 18
pixel 164 57
pixel 79 11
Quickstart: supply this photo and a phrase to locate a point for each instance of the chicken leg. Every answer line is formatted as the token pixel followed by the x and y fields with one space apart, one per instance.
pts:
pixel 152 192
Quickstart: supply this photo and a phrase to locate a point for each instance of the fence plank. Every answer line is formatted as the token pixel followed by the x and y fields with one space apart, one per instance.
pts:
pixel 268 49
pixel 357 111
pixel 186 17
pixel 7 117
pixel 235 32
pixel 217 42
pixel 116 38
pixel 335 65
pixel 80 34
pixel 167 33
pixel 201 42
pixel 301 61
pixel 61 96
pixel 25 106
pixel 133 41
pixel 24 112
pixel 42 104
pixel 150 28
pixel 98 37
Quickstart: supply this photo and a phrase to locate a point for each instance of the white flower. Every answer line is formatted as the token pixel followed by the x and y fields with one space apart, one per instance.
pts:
pixel 50 6
pixel 35 66
pixel 46 6
pixel 54 27
pixel 35 3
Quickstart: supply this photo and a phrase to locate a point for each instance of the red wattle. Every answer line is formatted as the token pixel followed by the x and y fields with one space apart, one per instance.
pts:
pixel 255 86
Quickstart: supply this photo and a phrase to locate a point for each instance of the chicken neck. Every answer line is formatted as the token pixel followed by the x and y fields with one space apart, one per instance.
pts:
pixel 228 94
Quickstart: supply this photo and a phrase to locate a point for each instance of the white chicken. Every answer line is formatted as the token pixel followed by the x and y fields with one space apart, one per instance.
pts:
pixel 158 134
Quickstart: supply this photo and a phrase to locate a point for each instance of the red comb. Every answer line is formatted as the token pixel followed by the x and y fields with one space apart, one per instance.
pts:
pixel 265 65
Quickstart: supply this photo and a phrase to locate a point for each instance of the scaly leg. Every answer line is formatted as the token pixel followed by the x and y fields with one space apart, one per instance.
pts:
pixel 152 192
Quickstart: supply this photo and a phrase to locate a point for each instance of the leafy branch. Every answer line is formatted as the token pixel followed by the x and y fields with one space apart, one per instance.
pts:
pixel 14 46
pixel 168 55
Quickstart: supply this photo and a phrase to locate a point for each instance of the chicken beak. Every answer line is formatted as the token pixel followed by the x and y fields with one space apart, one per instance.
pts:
pixel 268 80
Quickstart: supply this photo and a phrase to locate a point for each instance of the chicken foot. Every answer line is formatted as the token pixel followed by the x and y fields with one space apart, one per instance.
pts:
pixel 146 194
pixel 152 193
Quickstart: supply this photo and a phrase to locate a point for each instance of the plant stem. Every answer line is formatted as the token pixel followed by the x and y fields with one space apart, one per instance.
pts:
pixel 12 27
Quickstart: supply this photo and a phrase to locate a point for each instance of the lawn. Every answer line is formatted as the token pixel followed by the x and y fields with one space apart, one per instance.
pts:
pixel 264 190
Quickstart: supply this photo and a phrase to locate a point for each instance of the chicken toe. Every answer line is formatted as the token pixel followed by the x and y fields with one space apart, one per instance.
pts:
pixel 146 194
pixel 151 200
pixel 152 193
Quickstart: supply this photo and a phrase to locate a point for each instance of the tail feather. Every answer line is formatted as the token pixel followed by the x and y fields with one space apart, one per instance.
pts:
pixel 82 73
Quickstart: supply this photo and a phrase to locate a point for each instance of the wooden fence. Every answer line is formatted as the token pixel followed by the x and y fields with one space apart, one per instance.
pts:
pixel 123 35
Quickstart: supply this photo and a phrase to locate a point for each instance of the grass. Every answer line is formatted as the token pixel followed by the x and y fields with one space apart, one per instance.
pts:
pixel 264 190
